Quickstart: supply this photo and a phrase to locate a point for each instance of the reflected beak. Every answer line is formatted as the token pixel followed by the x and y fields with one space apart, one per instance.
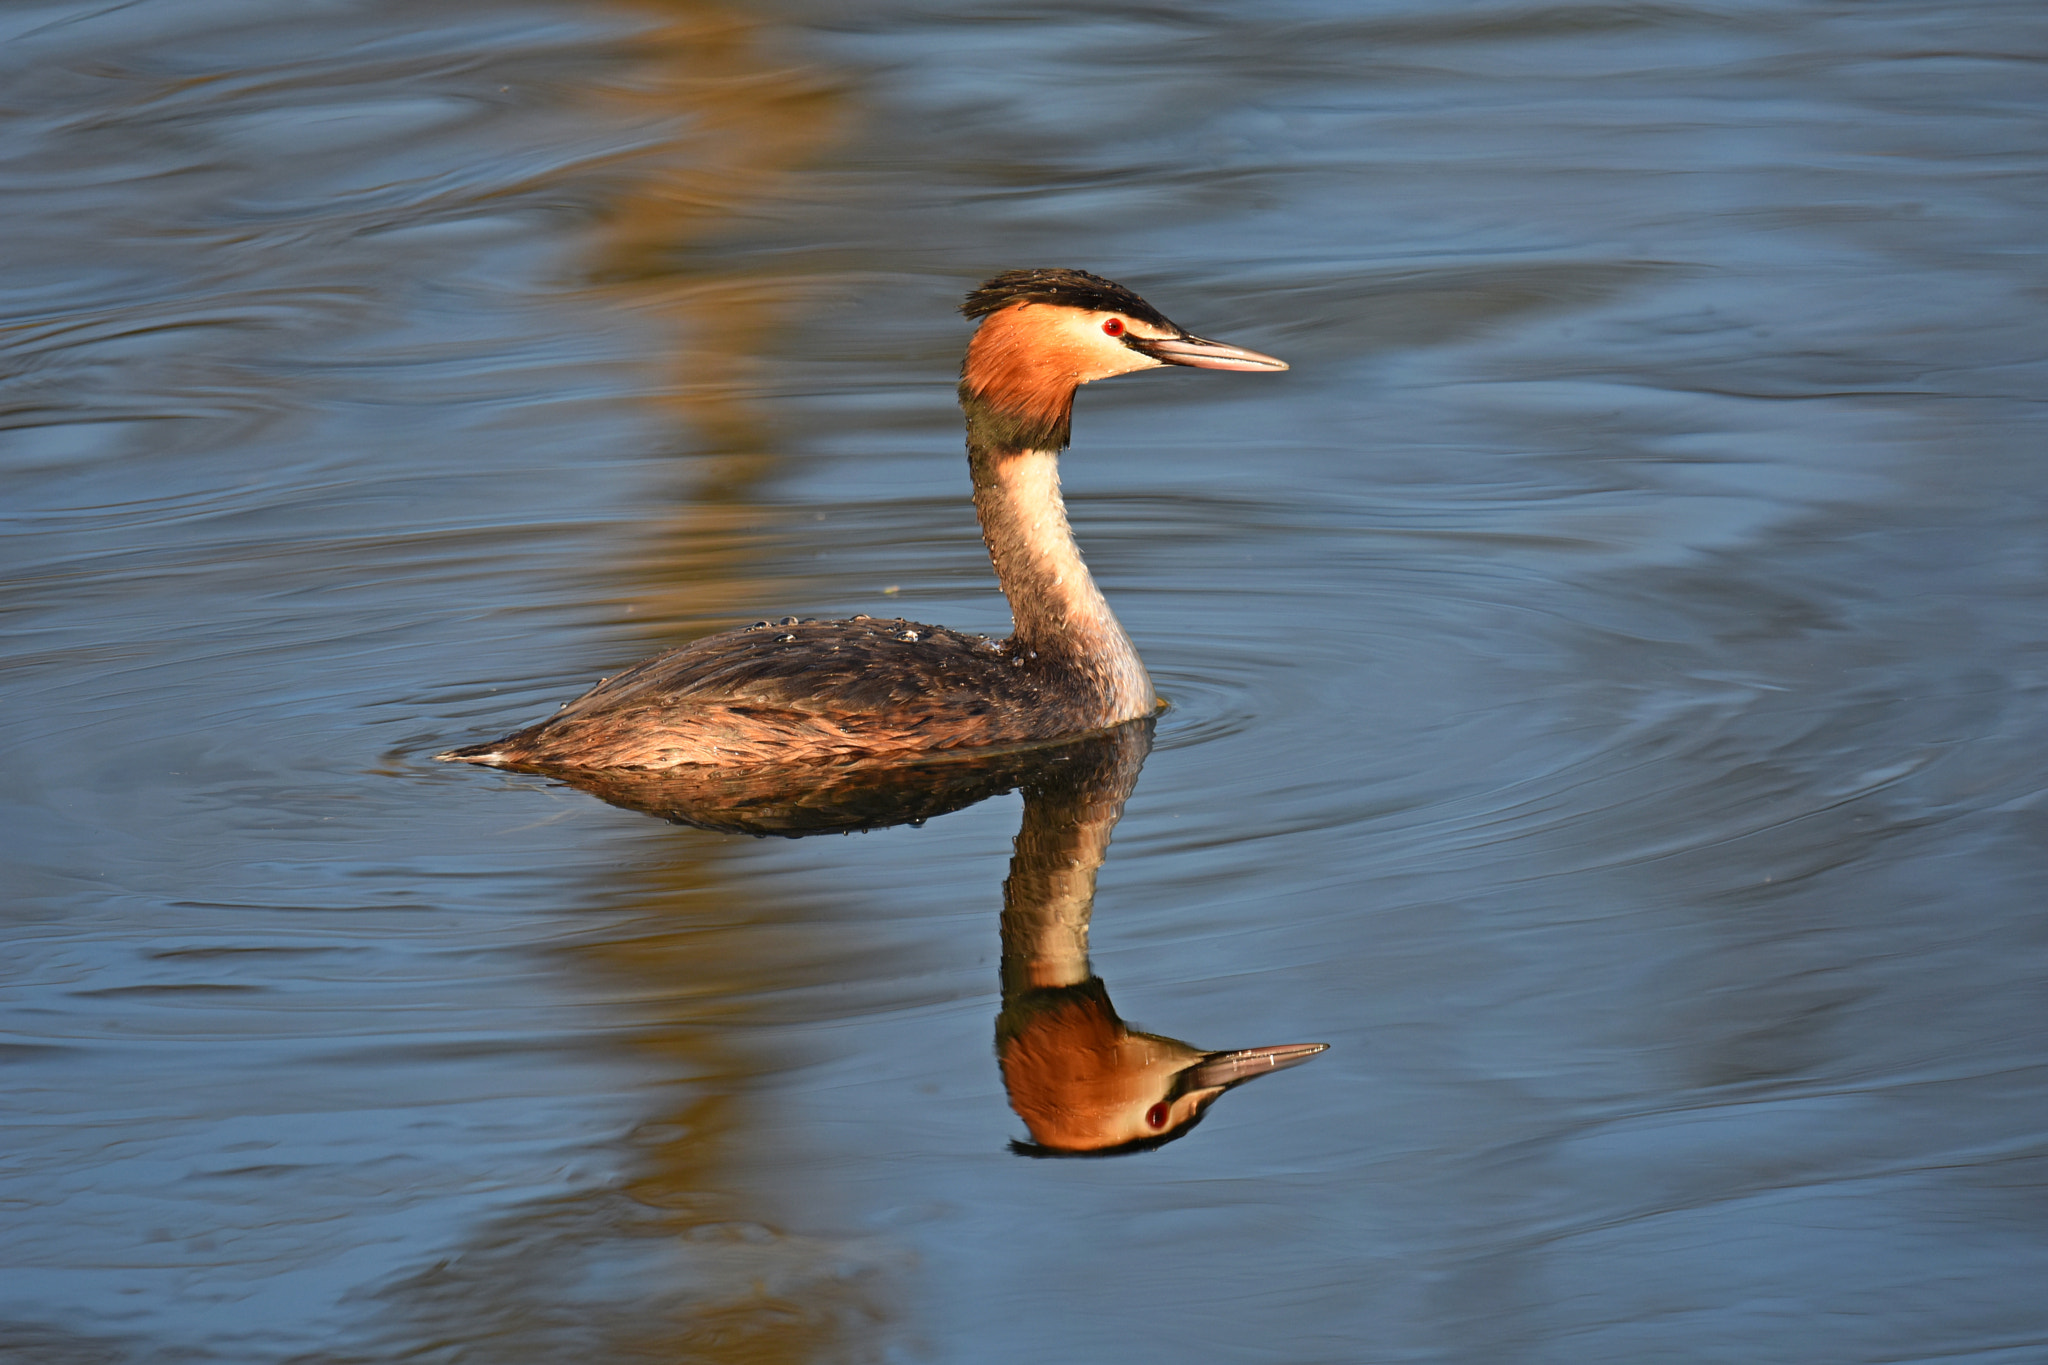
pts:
pixel 1203 355
pixel 1221 1070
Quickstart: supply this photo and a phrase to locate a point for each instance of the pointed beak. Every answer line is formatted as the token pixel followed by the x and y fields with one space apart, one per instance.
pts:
pixel 1221 1070
pixel 1203 355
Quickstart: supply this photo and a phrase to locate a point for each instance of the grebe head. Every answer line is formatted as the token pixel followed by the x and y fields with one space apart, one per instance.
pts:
pixel 1044 333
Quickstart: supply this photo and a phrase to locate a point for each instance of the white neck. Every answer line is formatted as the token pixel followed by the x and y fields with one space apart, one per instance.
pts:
pixel 1058 610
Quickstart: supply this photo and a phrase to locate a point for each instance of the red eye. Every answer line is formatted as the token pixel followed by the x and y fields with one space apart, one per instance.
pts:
pixel 1115 327
pixel 1155 1117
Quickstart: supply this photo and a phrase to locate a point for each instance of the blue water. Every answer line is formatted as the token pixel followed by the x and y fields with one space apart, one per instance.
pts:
pixel 1607 672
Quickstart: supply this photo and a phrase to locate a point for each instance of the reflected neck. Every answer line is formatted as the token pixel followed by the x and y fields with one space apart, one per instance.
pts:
pixel 1070 810
pixel 1059 612
pixel 1049 894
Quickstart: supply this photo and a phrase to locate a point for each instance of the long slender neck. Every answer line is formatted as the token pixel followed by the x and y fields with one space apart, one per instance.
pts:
pixel 1058 610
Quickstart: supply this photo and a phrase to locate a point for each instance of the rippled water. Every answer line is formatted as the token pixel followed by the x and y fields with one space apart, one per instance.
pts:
pixel 1608 679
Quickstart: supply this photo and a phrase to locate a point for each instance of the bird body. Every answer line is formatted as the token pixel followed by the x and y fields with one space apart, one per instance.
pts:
pixel 782 693
pixel 806 690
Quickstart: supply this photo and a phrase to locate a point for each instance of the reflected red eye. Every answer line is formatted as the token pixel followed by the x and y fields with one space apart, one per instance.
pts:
pixel 1115 327
pixel 1155 1117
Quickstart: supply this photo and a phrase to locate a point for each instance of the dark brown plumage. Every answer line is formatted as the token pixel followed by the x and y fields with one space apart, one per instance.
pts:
pixel 806 691
pixel 1061 288
pixel 811 689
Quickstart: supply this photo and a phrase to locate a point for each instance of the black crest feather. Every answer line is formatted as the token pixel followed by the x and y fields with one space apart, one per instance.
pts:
pixel 1067 288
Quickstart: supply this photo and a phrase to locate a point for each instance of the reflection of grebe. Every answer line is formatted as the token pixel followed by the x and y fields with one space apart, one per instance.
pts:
pixel 1083 1081
pixel 813 689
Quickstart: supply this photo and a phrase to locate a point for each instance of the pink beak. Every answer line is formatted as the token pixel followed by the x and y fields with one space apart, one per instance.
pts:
pixel 1204 355
pixel 1235 1068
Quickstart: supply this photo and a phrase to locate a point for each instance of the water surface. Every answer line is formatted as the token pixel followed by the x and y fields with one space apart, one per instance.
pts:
pixel 1607 679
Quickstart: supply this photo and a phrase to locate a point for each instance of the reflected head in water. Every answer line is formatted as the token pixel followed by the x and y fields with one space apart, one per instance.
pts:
pixel 1085 1084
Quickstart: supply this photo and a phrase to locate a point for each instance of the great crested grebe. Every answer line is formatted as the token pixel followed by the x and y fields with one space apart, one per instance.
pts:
pixel 800 691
